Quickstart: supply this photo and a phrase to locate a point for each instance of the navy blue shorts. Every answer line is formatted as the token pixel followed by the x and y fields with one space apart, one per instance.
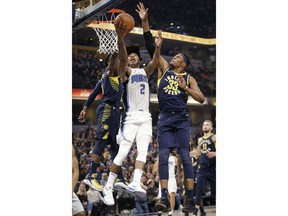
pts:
pixel 174 130
pixel 108 118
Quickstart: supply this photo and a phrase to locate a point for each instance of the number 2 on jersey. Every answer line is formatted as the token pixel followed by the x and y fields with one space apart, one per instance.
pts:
pixel 142 89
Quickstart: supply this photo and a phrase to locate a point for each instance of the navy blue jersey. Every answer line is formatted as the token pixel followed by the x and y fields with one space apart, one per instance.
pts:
pixel 112 89
pixel 171 96
pixel 207 145
pixel 97 90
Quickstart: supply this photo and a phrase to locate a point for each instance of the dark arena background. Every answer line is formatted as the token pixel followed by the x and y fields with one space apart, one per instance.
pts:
pixel 188 26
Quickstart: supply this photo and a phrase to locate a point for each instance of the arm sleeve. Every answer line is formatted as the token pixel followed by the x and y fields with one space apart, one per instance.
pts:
pixel 149 43
pixel 97 90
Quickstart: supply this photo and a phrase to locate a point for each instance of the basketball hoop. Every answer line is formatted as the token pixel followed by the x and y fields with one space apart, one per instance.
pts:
pixel 105 30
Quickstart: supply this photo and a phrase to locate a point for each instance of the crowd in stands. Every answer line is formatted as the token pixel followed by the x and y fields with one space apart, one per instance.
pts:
pixel 87 70
pixel 193 17
pixel 83 142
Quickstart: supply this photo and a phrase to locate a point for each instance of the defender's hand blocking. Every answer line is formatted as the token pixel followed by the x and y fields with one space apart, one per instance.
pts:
pixel 158 39
pixel 143 13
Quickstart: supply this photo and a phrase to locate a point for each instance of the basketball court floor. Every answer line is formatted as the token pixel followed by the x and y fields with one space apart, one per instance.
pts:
pixel 210 211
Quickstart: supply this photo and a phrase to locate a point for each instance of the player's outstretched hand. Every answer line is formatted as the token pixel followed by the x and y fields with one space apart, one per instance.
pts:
pixel 120 29
pixel 82 116
pixel 158 39
pixel 143 13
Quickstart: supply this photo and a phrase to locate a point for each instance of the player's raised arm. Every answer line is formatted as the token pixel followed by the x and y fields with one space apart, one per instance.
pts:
pixel 123 56
pixel 113 65
pixel 149 43
pixel 152 65
pixel 148 38
pixel 143 14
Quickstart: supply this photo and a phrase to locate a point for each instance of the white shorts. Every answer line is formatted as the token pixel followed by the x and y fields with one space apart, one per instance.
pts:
pixel 135 125
pixel 172 186
pixel 76 205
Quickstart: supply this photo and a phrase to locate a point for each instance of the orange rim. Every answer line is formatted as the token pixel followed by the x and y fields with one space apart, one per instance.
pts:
pixel 115 10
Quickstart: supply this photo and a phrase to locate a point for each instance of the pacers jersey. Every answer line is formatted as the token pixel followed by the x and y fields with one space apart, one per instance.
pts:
pixel 112 89
pixel 136 91
pixel 194 161
pixel 207 145
pixel 171 96
pixel 171 166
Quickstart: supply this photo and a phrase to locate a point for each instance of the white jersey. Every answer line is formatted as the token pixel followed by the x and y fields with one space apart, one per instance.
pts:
pixel 172 165
pixel 136 91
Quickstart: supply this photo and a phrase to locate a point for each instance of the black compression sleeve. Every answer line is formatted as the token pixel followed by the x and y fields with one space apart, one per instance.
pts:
pixel 149 43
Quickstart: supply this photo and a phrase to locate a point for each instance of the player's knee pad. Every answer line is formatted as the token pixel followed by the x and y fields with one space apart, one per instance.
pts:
pixel 142 148
pixel 124 148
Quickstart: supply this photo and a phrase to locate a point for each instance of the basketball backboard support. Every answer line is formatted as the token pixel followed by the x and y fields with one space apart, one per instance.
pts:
pixel 95 10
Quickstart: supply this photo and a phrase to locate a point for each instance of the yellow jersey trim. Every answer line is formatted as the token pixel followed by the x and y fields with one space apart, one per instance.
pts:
pixel 105 136
pixel 114 81
pixel 158 81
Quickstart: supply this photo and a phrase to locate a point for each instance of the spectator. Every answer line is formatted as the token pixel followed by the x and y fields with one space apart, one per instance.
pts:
pixel 82 195
pixel 104 179
pixel 94 198
pixel 141 202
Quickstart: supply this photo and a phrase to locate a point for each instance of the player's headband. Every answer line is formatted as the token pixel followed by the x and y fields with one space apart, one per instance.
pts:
pixel 134 49
pixel 186 60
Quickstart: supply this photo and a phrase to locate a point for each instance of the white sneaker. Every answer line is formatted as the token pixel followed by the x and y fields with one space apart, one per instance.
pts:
pixel 136 188
pixel 88 182
pixel 108 196
pixel 120 185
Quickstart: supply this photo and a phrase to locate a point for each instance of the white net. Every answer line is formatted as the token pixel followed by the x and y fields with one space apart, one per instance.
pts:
pixel 107 35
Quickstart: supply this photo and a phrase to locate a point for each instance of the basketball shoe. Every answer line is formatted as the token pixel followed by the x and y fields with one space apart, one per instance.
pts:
pixel 108 196
pixel 163 205
pixel 190 206
pixel 136 189
pixel 93 182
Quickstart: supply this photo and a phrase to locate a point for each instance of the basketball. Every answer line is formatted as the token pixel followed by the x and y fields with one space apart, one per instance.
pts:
pixel 125 22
